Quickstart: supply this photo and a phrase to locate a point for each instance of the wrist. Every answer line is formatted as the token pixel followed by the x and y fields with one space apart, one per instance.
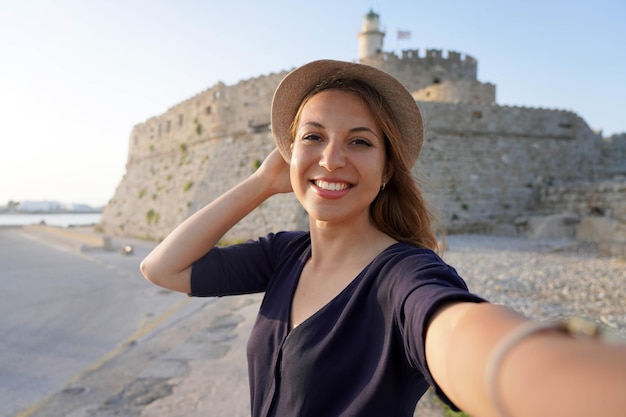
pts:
pixel 260 186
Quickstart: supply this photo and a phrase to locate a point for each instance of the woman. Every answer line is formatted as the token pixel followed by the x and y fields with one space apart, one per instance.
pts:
pixel 360 315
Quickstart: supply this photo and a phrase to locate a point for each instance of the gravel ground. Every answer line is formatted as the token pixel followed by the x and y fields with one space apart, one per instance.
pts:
pixel 541 279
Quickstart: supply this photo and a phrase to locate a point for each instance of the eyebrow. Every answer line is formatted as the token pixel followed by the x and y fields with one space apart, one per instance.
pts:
pixel 353 130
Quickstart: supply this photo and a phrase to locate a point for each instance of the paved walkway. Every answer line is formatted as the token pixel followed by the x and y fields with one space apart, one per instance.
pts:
pixel 192 366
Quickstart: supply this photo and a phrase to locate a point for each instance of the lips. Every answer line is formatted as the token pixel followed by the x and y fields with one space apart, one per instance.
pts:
pixel 332 186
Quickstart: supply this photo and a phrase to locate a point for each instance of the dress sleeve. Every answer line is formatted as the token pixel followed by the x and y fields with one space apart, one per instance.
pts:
pixel 434 284
pixel 238 269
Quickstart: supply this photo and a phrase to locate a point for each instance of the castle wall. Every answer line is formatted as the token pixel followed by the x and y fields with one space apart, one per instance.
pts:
pixel 214 113
pixel 597 211
pixel 159 192
pixel 460 91
pixel 485 168
pixel 482 165
pixel 186 157
pixel 584 198
pixel 613 151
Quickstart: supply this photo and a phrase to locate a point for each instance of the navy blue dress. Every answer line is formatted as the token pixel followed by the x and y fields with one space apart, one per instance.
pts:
pixel 362 354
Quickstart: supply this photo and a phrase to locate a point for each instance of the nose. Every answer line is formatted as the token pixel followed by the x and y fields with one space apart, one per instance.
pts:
pixel 332 156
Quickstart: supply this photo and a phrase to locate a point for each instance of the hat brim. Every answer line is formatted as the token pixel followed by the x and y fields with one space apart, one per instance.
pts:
pixel 298 83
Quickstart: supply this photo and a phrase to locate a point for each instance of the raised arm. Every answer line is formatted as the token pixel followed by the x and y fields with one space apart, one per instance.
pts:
pixel 546 374
pixel 169 264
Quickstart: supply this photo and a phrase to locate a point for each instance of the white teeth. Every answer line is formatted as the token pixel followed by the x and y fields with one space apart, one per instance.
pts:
pixel 331 186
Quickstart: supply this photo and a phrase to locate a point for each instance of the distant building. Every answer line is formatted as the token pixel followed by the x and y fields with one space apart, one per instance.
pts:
pixel 39 206
pixel 54 207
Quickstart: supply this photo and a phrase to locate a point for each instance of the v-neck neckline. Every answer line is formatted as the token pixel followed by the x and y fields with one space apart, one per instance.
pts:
pixel 304 258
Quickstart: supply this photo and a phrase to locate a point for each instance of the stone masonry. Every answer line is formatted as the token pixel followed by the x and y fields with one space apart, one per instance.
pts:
pixel 484 166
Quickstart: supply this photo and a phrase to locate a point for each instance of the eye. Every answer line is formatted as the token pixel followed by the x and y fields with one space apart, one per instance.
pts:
pixel 361 142
pixel 311 137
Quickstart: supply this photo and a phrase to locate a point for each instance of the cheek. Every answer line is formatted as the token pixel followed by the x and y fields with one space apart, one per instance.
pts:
pixel 296 179
pixel 377 165
pixel 300 159
pixel 294 171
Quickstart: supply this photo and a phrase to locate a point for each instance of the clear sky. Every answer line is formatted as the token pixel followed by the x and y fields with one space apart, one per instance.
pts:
pixel 77 75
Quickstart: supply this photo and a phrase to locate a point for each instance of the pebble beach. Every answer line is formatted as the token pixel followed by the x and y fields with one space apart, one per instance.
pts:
pixel 543 279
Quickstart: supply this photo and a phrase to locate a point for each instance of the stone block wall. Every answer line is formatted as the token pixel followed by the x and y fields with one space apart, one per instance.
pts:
pixel 605 198
pixel 482 167
pixel 613 151
pixel 217 112
pixel 599 208
pixel 159 192
pixel 462 91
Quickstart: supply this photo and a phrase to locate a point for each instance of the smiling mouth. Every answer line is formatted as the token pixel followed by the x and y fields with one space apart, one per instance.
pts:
pixel 332 186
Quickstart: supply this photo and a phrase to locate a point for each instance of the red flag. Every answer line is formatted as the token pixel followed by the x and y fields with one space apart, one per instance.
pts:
pixel 404 34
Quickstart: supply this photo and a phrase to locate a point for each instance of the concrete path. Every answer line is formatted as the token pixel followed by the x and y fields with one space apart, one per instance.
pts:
pixel 179 357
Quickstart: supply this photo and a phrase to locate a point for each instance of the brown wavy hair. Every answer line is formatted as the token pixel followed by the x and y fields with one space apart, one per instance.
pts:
pixel 400 209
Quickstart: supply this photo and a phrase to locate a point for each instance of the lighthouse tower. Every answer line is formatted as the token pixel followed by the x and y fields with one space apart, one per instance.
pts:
pixel 371 38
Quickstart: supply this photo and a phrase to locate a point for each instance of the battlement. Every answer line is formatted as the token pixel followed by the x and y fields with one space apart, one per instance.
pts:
pixel 218 111
pixel 231 110
pixel 430 56
pixel 417 71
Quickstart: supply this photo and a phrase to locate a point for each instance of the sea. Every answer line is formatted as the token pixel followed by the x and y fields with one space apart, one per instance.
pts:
pixel 50 219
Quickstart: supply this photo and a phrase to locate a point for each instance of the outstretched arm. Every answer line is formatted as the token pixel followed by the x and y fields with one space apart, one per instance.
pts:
pixel 169 264
pixel 546 374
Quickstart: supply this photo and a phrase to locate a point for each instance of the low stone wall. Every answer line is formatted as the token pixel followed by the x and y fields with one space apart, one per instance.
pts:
pixel 609 235
pixel 588 212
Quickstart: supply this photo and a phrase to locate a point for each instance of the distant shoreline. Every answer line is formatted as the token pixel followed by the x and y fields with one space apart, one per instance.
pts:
pixel 25 212
pixel 49 218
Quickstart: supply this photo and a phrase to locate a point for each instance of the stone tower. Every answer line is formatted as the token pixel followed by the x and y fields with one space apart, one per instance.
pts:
pixel 371 38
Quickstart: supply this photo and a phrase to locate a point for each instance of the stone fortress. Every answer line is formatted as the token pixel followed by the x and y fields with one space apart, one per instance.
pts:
pixel 486 168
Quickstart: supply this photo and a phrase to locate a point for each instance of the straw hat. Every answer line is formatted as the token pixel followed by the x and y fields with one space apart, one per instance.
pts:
pixel 298 83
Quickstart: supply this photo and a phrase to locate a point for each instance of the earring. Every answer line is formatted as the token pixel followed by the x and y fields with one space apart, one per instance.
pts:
pixel 382 187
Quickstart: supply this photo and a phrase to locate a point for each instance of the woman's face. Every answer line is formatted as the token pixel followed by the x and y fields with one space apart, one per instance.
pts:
pixel 338 158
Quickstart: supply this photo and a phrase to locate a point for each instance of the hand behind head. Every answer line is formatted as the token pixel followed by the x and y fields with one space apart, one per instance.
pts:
pixel 275 171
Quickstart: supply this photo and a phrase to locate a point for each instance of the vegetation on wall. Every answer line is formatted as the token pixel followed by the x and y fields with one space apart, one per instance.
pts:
pixel 152 217
pixel 184 154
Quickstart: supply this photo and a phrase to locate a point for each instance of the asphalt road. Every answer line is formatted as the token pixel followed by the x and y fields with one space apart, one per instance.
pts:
pixel 63 311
